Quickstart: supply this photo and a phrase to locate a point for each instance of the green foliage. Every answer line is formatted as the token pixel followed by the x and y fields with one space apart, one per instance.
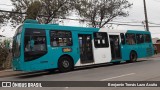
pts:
pixel 7 43
pixel 5 60
pixel 3 55
pixel 33 10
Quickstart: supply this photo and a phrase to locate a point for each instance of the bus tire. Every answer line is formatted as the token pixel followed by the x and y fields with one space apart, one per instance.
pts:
pixel 65 64
pixel 133 57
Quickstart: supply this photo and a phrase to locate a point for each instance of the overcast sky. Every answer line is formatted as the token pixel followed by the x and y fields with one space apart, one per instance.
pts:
pixel 136 15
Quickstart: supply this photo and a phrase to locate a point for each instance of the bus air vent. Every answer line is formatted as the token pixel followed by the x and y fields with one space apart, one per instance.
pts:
pixel 31 21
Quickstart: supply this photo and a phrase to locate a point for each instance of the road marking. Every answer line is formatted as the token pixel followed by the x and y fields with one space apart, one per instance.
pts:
pixel 117 77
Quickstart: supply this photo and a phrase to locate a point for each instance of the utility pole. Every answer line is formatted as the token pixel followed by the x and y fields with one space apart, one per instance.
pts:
pixel 145 13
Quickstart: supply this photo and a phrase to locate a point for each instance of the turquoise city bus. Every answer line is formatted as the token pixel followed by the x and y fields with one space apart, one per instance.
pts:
pixel 50 46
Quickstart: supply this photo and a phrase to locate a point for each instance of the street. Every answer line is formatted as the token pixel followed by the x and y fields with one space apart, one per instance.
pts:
pixel 143 70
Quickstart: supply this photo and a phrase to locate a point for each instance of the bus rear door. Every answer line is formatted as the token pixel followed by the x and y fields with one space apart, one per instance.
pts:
pixel 115 47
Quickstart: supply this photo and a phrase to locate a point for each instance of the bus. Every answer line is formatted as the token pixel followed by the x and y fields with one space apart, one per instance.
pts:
pixel 39 47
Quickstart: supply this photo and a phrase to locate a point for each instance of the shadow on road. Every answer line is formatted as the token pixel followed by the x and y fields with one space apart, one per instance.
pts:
pixel 55 71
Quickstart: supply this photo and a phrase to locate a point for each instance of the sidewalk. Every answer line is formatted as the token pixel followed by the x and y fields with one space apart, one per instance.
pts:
pixel 154 57
pixel 9 72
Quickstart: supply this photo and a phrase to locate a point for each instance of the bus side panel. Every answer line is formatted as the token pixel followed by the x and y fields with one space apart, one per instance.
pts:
pixel 41 63
pixel 142 50
pixel 76 50
pixel 56 52
pixel 102 55
pixel 125 49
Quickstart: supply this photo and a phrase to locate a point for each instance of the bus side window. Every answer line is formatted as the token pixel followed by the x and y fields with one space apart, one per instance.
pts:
pixel 122 38
pixel 140 38
pixel 101 39
pixel 60 38
pixel 130 39
pixel 147 38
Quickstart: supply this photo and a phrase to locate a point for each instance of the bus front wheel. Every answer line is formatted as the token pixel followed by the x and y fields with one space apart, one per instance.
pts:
pixel 65 64
pixel 133 57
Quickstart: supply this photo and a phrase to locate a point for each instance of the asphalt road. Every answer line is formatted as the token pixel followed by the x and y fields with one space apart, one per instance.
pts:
pixel 143 70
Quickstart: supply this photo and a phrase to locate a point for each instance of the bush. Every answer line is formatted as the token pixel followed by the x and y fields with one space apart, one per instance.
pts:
pixel 4 52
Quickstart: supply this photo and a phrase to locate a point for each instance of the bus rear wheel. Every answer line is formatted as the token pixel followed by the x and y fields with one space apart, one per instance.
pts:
pixel 65 64
pixel 133 57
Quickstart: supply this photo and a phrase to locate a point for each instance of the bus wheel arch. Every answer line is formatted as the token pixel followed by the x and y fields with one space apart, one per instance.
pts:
pixel 132 56
pixel 65 63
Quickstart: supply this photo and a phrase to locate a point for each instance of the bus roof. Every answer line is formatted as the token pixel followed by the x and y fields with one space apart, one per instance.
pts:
pixel 34 24
pixel 58 27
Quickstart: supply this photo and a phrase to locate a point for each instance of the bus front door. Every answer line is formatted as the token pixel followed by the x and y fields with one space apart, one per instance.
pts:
pixel 86 51
pixel 115 47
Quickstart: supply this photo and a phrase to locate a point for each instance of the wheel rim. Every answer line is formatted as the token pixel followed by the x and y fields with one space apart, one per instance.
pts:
pixel 65 63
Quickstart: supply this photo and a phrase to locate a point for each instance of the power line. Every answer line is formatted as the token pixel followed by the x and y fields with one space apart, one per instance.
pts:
pixel 156 33
pixel 12 12
pixel 153 23
pixel 126 22
pixel 5 5
pixel 156 0
pixel 131 25
pixel 112 22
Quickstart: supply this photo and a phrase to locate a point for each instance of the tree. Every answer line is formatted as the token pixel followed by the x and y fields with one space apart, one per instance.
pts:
pixel 54 9
pixel 4 17
pixel 33 10
pixel 42 10
pixel 3 54
pixel 100 12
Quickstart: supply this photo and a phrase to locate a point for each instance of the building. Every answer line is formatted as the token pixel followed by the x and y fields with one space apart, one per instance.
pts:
pixel 156 42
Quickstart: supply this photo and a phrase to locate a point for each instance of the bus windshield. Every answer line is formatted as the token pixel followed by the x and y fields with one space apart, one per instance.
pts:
pixel 16 45
pixel 34 44
pixel 17 42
